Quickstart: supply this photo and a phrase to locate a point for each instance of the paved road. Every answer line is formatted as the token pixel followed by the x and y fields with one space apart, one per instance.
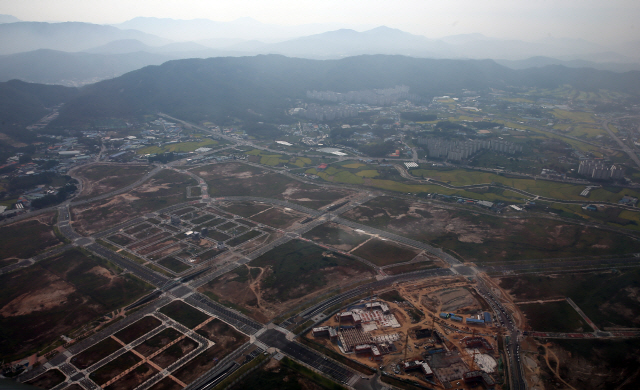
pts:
pixel 630 152
pixel 502 315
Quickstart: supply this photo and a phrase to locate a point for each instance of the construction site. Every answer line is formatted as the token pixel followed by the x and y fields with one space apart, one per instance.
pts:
pixel 431 333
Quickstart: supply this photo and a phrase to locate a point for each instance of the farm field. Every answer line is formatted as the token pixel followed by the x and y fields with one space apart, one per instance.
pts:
pixel 481 238
pixel 64 293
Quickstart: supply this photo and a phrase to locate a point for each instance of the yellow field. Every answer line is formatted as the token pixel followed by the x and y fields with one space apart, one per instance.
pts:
pixel 574 116
pixel 368 173
pixel 354 165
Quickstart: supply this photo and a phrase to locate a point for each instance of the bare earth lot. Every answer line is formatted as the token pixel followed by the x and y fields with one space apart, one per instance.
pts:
pixel 479 237
pixel 56 296
pixel 98 179
pixel 162 190
pixel 233 179
pixel 338 236
pixel 27 238
pixel 284 277
pixel 383 252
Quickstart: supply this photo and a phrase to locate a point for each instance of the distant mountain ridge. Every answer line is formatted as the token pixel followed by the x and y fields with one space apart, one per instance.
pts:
pixel 22 37
pixel 260 87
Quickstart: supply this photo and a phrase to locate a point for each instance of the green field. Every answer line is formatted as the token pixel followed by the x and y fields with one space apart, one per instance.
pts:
pixel 554 317
pixel 607 298
pixel 180 147
pixel 184 314
pixel 26 239
pixel 297 269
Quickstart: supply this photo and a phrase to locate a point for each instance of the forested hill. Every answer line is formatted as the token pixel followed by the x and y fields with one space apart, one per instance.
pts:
pixel 25 103
pixel 262 86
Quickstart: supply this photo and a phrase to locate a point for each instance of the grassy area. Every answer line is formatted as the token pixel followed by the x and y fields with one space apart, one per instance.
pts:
pixel 297 269
pixel 244 237
pixel 137 329
pixel 114 367
pixel 481 237
pixel 246 209
pixel 574 116
pixel 184 314
pixel 554 317
pixel 336 235
pixel 180 147
pixel 48 380
pixel 174 265
pixel 95 353
pixel 383 253
pixel 28 238
pixel 607 298
pixel 239 372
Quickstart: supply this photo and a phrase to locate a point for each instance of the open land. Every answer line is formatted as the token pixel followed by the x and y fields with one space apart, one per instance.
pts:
pixel 226 340
pixel 338 236
pixel 99 179
pixel 478 237
pixel 162 190
pixel 283 277
pixel 234 179
pixel 27 238
pixel 609 299
pixel 63 293
pixel 383 252
pixel 184 314
pixel 48 380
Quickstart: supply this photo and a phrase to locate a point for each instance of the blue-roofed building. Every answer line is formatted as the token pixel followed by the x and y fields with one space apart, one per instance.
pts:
pixel 475 321
pixel 456 318
pixel 487 317
pixel 444 315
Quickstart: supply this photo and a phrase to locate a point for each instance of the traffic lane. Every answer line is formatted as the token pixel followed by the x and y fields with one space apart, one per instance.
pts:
pixel 276 339
pixel 137 269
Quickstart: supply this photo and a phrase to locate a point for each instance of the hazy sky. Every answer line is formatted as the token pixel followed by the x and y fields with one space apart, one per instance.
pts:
pixel 596 20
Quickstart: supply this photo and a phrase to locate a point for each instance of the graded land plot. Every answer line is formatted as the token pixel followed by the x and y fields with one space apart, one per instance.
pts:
pixel 210 254
pixel 245 209
pixel 174 265
pixel 57 296
pixel 133 378
pixel 233 179
pixel 609 299
pixel 244 238
pixel 138 228
pixel 48 380
pixel 185 314
pixel 162 190
pixel 21 240
pixel 382 252
pixel 284 277
pixel 479 237
pixel 227 226
pixel 226 340
pixel 279 218
pixel 137 329
pixel 212 223
pixel 95 353
pixel 202 219
pixel 180 147
pixel 553 317
pixel 174 352
pixel 120 239
pixel 157 246
pixel 115 367
pixel 147 241
pixel 168 251
pixel 276 375
pixel 147 233
pixel 102 178
pixel 166 384
pixel 158 341
pixel 338 236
